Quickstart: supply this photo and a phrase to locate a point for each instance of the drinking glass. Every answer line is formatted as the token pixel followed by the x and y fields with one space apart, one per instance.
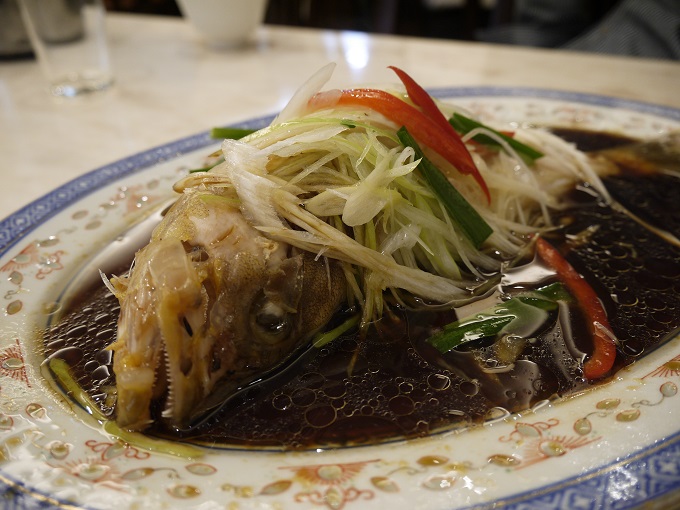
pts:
pixel 69 39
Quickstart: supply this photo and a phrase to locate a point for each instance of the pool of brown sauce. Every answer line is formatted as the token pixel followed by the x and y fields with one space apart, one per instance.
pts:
pixel 400 387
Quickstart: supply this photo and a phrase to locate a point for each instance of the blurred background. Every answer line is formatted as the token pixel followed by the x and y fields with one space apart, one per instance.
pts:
pixel 451 19
pixel 645 28
pixel 641 28
pixel 456 19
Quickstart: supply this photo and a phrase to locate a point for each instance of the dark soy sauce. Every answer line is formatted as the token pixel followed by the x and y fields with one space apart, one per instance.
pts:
pixel 399 386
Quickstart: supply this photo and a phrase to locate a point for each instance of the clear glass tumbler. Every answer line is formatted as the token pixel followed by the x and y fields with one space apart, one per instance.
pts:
pixel 69 39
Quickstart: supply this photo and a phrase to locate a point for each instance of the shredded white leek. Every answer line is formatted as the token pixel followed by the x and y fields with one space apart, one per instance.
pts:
pixel 338 183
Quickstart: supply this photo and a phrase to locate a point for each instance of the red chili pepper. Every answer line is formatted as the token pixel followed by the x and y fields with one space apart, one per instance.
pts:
pixel 604 348
pixel 426 131
pixel 423 100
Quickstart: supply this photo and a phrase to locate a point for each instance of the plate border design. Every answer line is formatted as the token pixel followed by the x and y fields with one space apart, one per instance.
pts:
pixel 593 484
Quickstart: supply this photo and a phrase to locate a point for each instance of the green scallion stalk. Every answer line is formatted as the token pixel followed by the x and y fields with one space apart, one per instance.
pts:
pixel 517 313
pixel 328 336
pixel 231 133
pixel 152 444
pixel 62 372
pixel 460 210
pixel 464 125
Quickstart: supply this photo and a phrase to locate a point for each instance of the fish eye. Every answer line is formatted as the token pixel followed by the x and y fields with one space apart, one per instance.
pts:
pixel 270 323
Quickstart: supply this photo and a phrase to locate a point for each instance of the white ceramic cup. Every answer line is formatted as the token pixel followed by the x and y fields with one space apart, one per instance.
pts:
pixel 224 23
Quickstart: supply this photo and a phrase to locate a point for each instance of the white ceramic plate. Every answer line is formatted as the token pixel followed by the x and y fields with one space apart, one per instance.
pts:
pixel 615 447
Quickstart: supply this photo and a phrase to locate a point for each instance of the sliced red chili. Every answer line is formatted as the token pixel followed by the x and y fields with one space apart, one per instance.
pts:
pixel 426 131
pixel 604 348
pixel 424 101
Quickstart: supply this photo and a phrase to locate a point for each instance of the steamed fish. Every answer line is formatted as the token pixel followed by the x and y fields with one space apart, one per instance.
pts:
pixel 347 196
pixel 208 299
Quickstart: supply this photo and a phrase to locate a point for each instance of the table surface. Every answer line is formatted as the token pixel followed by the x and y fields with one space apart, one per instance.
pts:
pixel 170 85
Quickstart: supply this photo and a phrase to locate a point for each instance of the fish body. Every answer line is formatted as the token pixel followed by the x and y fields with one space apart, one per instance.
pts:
pixel 210 300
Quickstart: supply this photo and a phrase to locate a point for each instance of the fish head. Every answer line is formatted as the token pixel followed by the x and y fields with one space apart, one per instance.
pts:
pixel 211 301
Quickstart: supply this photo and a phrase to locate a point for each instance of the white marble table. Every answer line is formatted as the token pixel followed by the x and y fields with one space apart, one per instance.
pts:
pixel 169 85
